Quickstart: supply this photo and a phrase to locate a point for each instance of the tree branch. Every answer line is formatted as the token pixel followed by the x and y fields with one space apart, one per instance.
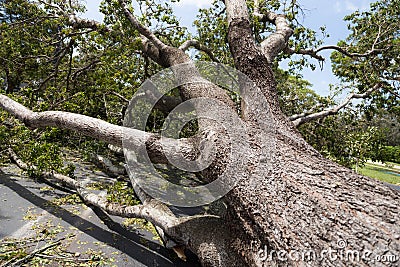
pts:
pixel 182 230
pixel 85 68
pixel 141 28
pixel 74 21
pixel 310 52
pixel 251 61
pixel 277 41
pixel 196 44
pixel 45 247
pixel 300 119
pixel 158 149
pixel 79 23
pixel 394 93
pixel 314 52
pixel 153 52
pixel 150 211
pixel 119 96
pixel 107 166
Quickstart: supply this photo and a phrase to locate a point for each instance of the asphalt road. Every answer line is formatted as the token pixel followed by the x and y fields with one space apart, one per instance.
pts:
pixel 396 187
pixel 26 206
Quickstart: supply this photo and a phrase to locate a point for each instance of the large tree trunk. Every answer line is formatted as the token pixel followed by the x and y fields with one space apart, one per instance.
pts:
pixel 288 199
pixel 290 204
pixel 301 209
pixel 303 203
pixel 293 200
pixel 298 201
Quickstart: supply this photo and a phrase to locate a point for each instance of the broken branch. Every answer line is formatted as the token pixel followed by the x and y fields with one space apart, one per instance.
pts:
pixel 158 149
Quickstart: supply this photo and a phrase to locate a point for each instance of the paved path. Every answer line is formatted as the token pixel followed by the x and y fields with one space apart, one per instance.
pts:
pixel 21 197
pixel 394 166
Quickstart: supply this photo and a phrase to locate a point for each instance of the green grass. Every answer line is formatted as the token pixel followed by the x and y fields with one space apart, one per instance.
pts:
pixel 379 172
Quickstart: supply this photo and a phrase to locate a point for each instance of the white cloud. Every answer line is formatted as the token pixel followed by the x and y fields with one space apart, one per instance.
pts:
pixel 196 3
pixel 338 7
pixel 350 6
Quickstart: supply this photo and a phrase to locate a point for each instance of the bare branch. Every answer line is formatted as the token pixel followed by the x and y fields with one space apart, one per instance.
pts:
pixel 32 254
pixel 141 28
pixel 119 96
pixel 96 128
pixel 79 23
pixel 309 52
pixel 277 41
pixel 300 119
pixel 392 78
pixel 153 52
pixel 107 166
pixel 344 50
pixel 150 211
pixel 196 44
pixel 158 149
pixel 85 68
pixel 394 93
pixel 74 21
pixel 314 52
pixel 178 231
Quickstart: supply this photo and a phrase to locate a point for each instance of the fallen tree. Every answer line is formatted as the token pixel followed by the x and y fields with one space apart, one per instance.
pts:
pixel 287 199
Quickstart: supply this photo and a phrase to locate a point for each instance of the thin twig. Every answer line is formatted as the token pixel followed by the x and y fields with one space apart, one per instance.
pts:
pixel 299 119
pixel 33 253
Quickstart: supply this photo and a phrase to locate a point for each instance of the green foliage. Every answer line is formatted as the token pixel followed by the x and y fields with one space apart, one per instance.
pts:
pixel 345 138
pixel 13 249
pixel 71 199
pixel 121 193
pixel 348 138
pixel 212 29
pixel 374 33
pixel 38 148
pixel 390 153
pixel 296 95
pixel 362 145
pixel 43 71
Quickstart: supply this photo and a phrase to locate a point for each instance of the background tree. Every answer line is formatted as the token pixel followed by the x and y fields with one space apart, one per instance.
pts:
pixel 292 199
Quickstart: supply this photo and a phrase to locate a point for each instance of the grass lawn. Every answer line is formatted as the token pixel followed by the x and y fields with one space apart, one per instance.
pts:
pixel 382 173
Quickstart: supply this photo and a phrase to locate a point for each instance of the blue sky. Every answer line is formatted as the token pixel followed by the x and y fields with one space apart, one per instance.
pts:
pixel 317 13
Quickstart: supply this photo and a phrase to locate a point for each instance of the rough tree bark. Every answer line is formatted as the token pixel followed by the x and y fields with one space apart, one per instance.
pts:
pixel 296 201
